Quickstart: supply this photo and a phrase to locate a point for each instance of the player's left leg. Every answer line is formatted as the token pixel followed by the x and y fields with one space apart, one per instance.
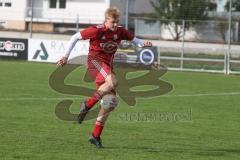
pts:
pixel 99 125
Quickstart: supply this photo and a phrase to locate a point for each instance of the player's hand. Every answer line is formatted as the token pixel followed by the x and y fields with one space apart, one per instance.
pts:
pixel 147 44
pixel 62 61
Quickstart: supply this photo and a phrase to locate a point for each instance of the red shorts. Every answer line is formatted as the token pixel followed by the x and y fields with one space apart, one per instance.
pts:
pixel 98 71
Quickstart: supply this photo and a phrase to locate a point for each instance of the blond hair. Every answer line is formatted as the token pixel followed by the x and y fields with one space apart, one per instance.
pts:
pixel 112 12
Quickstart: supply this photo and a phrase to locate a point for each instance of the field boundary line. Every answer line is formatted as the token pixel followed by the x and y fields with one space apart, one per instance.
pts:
pixel 81 98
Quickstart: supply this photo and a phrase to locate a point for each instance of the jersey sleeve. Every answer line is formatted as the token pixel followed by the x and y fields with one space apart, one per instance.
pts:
pixel 89 33
pixel 126 35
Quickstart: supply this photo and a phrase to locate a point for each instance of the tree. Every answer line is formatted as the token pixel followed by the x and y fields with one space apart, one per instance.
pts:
pixel 235 5
pixel 173 12
pixel 222 27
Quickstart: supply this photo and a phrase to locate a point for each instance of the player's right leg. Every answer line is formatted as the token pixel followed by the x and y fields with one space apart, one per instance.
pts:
pixel 109 85
pixel 83 112
pixel 105 82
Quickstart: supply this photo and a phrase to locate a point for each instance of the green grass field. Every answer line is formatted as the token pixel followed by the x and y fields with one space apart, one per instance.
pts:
pixel 29 128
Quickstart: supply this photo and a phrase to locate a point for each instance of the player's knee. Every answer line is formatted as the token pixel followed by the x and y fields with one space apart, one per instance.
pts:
pixel 115 83
pixel 112 82
pixel 112 85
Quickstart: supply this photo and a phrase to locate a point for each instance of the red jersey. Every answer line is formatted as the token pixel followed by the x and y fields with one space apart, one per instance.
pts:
pixel 104 42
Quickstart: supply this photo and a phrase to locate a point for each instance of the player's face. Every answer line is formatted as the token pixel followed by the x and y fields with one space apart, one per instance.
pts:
pixel 111 23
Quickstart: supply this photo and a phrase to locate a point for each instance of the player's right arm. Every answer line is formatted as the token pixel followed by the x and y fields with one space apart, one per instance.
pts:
pixel 87 33
pixel 72 42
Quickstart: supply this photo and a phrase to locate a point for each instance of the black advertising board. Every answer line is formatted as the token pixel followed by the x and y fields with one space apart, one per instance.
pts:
pixel 13 48
pixel 147 56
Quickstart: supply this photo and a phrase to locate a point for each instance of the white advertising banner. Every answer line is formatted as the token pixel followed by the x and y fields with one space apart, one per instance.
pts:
pixel 52 50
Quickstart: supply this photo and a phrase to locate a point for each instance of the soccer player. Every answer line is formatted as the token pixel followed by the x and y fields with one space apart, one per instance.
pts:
pixel 104 40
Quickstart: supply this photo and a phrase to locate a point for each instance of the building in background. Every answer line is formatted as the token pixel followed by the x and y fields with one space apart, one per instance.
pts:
pixel 49 15
pixel 70 15
pixel 12 14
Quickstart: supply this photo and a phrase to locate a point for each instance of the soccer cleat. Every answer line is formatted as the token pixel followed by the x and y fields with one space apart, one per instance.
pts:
pixel 83 112
pixel 96 141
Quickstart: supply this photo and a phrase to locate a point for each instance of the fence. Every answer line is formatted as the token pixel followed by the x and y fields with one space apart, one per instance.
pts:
pixel 204 46
pixel 192 43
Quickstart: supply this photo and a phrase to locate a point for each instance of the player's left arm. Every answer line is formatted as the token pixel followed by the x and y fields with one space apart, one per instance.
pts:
pixel 126 35
pixel 140 43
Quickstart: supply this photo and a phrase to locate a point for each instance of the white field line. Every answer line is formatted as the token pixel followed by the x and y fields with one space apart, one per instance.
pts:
pixel 81 98
pixel 36 98
pixel 204 94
